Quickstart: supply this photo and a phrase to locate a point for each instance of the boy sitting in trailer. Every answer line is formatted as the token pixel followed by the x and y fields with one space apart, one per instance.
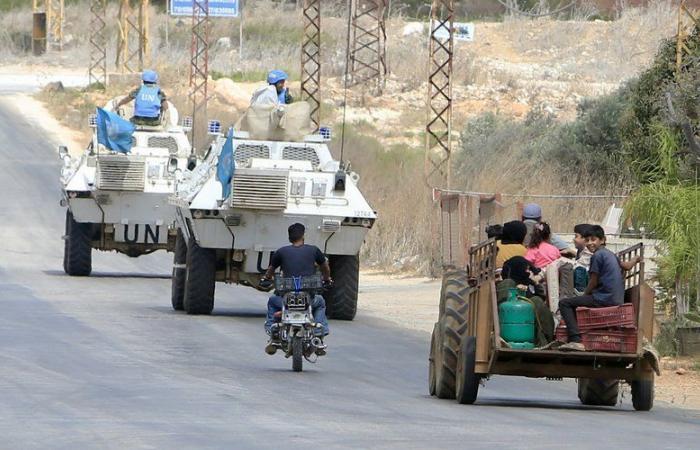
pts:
pixel 606 286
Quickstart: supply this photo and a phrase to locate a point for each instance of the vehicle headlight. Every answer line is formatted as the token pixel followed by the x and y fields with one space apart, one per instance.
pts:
pixel 298 188
pixel 154 170
pixel 318 188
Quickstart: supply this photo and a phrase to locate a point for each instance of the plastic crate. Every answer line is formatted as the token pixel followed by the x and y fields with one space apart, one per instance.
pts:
pixel 615 341
pixel 602 318
pixel 620 340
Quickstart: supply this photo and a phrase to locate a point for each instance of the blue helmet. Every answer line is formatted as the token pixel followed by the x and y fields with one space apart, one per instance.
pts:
pixel 149 76
pixel 275 76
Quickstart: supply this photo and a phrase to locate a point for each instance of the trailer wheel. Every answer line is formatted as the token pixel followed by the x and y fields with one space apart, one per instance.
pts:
pixel 431 358
pixel 341 301
pixel 598 391
pixel 643 394
pixel 200 280
pixel 177 290
pixel 466 378
pixel 453 327
pixel 77 252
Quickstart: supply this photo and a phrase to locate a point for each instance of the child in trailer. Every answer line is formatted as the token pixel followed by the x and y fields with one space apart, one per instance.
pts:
pixel 539 251
pixel 606 286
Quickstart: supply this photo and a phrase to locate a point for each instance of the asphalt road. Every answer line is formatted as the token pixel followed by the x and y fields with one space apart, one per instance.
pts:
pixel 103 362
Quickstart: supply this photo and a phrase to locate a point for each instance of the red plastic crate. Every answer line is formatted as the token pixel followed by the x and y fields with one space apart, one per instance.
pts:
pixel 616 341
pixel 621 316
pixel 621 340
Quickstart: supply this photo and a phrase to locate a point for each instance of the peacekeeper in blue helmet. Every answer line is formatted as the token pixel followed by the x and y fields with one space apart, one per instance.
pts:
pixel 150 102
pixel 278 78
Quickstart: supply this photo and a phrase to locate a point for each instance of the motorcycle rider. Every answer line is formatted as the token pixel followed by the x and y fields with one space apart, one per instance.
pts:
pixel 295 260
pixel 149 100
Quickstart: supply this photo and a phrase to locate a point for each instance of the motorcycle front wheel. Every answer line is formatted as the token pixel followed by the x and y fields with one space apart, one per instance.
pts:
pixel 297 354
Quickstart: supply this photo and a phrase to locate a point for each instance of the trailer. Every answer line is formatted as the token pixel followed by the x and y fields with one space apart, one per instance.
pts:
pixel 466 346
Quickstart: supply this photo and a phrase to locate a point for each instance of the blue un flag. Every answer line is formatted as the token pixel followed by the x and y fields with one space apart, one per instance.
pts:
pixel 226 165
pixel 114 132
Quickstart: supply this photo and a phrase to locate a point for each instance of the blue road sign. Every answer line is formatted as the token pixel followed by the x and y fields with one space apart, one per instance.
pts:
pixel 217 8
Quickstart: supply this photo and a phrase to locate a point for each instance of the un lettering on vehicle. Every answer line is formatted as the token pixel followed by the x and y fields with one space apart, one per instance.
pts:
pixel 140 233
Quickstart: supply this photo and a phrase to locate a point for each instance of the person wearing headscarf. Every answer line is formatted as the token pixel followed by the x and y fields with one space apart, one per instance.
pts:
pixel 511 243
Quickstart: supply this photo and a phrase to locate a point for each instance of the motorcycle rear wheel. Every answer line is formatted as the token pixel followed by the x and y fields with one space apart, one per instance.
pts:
pixel 297 354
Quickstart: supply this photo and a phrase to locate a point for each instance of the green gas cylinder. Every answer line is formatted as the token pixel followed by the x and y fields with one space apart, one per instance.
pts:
pixel 517 319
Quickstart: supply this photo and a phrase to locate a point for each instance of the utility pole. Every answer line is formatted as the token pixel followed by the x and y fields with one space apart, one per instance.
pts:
pixel 368 53
pixel 97 71
pixel 55 15
pixel 438 139
pixel 199 64
pixel 311 59
pixel 132 43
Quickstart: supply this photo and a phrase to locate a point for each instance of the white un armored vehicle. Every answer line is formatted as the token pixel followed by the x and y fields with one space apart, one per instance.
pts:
pixel 275 183
pixel 119 201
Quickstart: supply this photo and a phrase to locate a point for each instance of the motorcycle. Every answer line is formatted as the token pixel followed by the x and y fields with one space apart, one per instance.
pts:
pixel 296 327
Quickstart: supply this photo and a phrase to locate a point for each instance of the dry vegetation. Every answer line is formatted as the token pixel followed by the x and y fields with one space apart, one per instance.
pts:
pixel 517 69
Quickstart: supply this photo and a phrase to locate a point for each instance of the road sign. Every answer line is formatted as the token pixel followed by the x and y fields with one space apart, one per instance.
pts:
pixel 462 32
pixel 217 8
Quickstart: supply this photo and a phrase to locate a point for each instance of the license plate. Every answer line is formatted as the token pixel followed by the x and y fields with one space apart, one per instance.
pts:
pixel 140 233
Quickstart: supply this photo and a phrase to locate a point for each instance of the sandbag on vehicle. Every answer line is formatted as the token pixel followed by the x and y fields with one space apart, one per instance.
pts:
pixel 269 122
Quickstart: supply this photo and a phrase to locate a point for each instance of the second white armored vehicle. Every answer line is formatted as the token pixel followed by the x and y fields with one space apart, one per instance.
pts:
pixel 119 201
pixel 275 183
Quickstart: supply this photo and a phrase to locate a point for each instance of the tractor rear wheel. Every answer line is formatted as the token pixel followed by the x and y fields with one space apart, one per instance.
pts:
pixel 452 327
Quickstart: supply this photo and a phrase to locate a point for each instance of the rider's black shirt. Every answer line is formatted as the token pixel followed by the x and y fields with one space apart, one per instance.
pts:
pixel 298 261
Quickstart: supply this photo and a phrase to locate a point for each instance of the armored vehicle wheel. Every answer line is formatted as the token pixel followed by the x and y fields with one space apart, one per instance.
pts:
pixel 598 391
pixel 77 253
pixel 453 327
pixel 431 359
pixel 200 280
pixel 179 272
pixel 341 301
pixel 466 379
pixel 297 354
pixel 643 394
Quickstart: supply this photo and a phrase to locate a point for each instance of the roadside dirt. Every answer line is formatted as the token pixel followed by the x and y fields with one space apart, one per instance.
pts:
pixel 413 303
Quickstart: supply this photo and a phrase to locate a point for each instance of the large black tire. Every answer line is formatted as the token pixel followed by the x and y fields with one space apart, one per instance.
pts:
pixel 453 327
pixel 431 358
pixel 341 301
pixel 643 394
pixel 297 354
pixel 177 291
pixel 598 391
pixel 466 379
pixel 200 280
pixel 77 252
